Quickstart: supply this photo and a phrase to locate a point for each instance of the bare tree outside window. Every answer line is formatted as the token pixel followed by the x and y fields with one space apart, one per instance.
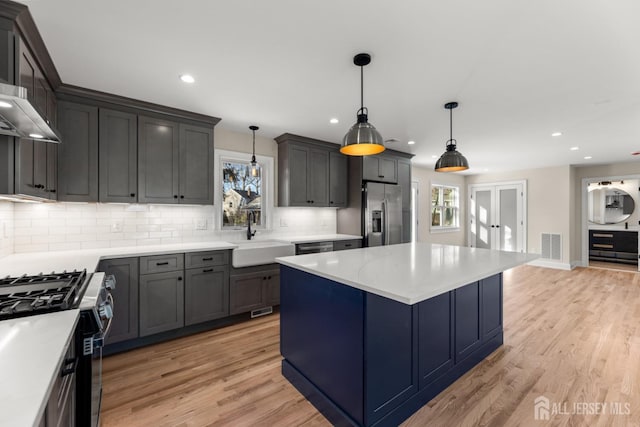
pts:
pixel 241 193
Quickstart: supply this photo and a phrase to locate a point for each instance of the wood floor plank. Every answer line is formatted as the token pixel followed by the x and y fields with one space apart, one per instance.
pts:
pixel 572 336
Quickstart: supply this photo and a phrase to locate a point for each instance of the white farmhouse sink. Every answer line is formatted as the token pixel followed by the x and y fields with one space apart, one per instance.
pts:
pixel 258 252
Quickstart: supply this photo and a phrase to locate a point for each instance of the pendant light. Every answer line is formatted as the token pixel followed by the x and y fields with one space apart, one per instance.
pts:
pixel 452 160
pixel 255 169
pixel 362 139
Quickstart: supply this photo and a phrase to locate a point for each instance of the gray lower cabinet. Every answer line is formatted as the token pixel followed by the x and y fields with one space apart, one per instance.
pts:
pixel 61 406
pixel 161 302
pixel 342 245
pixel 206 294
pixel 118 156
pixel 125 296
pixel 254 288
pixel 78 154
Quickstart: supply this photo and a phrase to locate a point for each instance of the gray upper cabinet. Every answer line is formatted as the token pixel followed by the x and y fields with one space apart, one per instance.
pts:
pixel 78 154
pixel 310 173
pixel 175 162
pixel 52 171
pixel 337 179
pixel 404 181
pixel 158 160
pixel 36 173
pixel 196 165
pixel 118 156
pixel 380 168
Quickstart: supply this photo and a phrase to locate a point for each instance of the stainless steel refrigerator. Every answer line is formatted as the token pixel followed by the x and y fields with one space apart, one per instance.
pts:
pixel 382 214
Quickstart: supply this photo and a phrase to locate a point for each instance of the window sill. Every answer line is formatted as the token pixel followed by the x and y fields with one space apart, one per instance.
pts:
pixel 444 230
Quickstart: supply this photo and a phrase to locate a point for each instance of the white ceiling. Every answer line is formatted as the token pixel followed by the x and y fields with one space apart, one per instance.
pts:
pixel 519 69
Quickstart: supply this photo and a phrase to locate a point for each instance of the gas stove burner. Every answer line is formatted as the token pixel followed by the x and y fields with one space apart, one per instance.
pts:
pixel 28 295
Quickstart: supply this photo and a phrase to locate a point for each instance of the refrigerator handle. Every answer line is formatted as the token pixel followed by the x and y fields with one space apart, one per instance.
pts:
pixel 384 222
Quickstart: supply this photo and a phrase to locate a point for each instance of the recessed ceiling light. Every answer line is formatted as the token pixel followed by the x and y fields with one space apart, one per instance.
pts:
pixel 556 134
pixel 334 121
pixel 574 148
pixel 486 170
pixel 187 78
pixel 588 157
pixel 411 142
pixel 4 104
pixel 434 157
pixel 636 153
pixel 35 135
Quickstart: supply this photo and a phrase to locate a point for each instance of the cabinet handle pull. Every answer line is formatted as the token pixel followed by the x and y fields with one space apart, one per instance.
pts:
pixel 602 235
pixel 269 278
pixel 380 176
pixel 179 278
pixel 208 270
pixel 208 259
pixel 347 245
pixel 601 245
pixel 53 190
pixel 175 196
pixel 331 202
pixel 182 197
pixel 133 194
pixel 162 263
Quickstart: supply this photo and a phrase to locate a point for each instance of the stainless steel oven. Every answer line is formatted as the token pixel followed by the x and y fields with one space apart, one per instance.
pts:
pixel 96 315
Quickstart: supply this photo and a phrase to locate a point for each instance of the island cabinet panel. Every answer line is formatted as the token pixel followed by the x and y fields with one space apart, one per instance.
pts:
pixel 391 365
pixel 467 320
pixel 366 360
pixel 435 325
pixel 125 295
pixel 491 306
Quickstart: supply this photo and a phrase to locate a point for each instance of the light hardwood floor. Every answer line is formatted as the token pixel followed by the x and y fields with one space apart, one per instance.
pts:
pixel 572 336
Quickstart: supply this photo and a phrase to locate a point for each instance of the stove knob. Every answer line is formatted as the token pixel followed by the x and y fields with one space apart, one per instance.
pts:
pixel 105 312
pixel 110 282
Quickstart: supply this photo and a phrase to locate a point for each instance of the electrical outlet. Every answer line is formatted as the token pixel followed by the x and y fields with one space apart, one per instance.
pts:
pixel 116 226
pixel 201 224
pixel 284 222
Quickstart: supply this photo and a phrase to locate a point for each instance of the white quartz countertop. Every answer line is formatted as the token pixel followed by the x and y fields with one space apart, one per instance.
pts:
pixel 31 352
pixel 410 272
pixel 321 238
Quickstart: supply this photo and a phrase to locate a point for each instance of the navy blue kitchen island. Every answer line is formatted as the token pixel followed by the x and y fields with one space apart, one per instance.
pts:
pixel 369 354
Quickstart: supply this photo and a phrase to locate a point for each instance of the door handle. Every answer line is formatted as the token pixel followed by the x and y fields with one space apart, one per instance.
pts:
pixel 384 222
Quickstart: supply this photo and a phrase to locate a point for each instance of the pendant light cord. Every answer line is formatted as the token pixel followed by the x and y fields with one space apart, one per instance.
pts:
pixel 361 88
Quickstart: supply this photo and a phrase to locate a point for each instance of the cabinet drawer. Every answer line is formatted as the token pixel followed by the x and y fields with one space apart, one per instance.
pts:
pixel 161 263
pixel 341 245
pixel 206 259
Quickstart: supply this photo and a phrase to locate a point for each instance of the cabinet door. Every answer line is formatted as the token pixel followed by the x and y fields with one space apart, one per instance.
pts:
pixel 196 165
pixel 246 292
pixel 318 178
pixel 124 325
pixel 337 180
pixel 370 165
pixel 206 294
pixel 52 171
pixel 404 181
pixel 118 156
pixel 24 173
pixel 388 170
pixel 435 329
pixel 343 245
pixel 158 161
pixel 467 320
pixel 27 68
pixel 40 168
pixel 78 154
pixel 272 288
pixel 161 302
pixel 491 306
pixel 298 164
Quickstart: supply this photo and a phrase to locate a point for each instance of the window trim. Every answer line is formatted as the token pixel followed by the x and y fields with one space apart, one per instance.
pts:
pixel 434 229
pixel 267 171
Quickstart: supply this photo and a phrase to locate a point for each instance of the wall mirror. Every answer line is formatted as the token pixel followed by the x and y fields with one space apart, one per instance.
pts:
pixel 609 205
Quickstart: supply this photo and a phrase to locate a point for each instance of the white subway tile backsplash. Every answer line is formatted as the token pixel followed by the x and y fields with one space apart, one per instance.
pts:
pixel 63 226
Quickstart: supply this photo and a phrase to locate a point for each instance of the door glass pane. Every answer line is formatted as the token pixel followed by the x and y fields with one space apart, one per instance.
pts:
pixel 482 216
pixel 508 219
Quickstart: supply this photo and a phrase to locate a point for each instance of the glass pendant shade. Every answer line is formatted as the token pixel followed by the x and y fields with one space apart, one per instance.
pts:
pixel 255 169
pixel 362 139
pixel 452 160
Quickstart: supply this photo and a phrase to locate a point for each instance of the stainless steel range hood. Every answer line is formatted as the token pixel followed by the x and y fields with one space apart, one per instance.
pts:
pixel 19 118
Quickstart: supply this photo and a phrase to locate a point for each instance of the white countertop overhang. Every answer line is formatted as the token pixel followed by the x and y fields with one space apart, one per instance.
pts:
pixel 410 272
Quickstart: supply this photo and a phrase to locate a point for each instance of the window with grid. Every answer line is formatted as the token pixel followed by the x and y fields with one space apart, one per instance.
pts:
pixel 445 208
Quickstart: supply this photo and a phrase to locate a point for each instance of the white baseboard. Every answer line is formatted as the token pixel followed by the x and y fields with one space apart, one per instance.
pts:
pixel 551 264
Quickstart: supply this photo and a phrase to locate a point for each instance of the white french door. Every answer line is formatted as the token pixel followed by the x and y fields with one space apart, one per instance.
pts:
pixel 498 216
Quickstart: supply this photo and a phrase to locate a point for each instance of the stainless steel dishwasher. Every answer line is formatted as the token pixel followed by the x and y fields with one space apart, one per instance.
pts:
pixel 313 248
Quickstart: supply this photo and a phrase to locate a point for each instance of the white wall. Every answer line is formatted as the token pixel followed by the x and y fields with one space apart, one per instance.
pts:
pixel 548 206
pixel 6 228
pixel 427 177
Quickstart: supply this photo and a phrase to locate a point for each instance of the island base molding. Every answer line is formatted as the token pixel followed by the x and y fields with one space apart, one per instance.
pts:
pixel 366 360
